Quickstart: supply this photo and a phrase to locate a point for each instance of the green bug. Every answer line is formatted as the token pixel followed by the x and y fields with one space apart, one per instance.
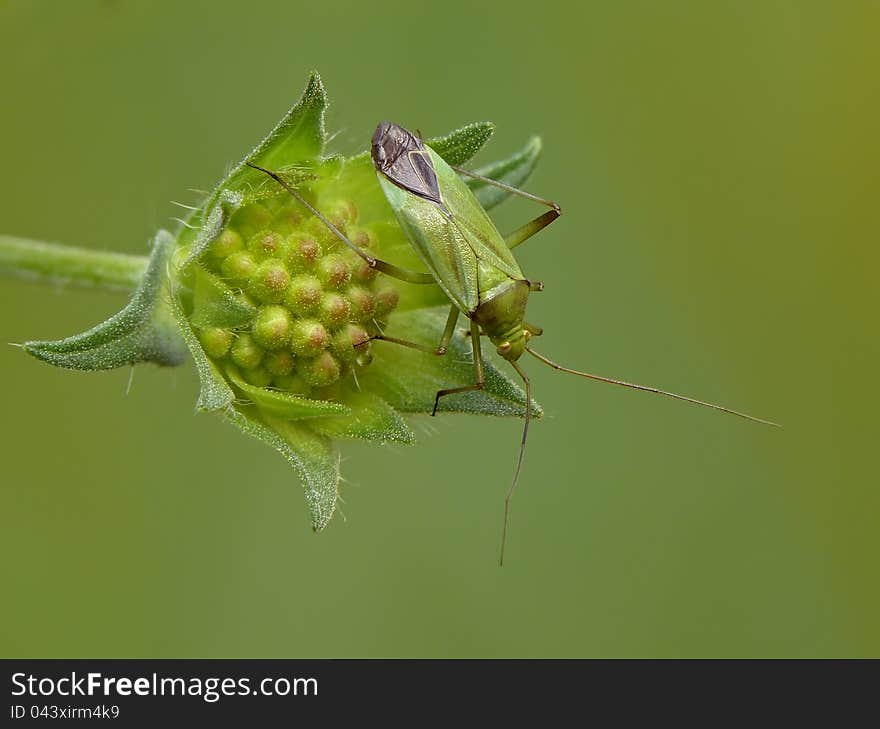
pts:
pixel 468 259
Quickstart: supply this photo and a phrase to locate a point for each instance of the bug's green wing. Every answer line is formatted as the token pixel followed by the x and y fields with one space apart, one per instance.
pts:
pixel 473 221
pixel 439 243
pixel 459 243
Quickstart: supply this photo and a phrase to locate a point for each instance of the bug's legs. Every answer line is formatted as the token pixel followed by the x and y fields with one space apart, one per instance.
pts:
pixel 401 342
pixel 451 321
pixel 389 269
pixel 532 329
pixel 439 350
pixel 480 379
pixel 512 189
pixel 521 235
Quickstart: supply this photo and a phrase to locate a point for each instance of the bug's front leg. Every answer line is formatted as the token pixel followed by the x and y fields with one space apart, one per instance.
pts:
pixel 521 235
pixel 509 188
pixel 480 379
pixel 533 329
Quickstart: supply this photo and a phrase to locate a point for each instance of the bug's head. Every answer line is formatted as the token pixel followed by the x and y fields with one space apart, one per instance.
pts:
pixel 512 347
pixel 500 316
pixel 390 140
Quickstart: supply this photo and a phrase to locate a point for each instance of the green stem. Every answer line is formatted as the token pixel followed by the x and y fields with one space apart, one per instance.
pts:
pixel 33 260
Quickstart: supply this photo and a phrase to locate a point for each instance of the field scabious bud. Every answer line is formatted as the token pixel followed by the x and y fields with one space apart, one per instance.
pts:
pixel 280 316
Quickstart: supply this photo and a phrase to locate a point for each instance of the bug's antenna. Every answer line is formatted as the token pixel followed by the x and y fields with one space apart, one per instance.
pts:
pixel 646 388
pixel 522 453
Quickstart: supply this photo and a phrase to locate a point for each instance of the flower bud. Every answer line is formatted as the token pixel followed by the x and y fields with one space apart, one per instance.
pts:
pixel 239 267
pixel 287 220
pixel 279 364
pixel 216 341
pixel 245 352
pixel 303 251
pixel 362 272
pixel 267 244
pixel 269 281
pixel 272 326
pixel 259 376
pixel 251 219
pixel 227 243
pixel 387 299
pixel 349 341
pixel 343 214
pixel 264 294
pixel 334 271
pixel 309 338
pixel 303 295
pixel 363 303
pixel 316 229
pixel 334 310
pixel 321 371
pixel 362 238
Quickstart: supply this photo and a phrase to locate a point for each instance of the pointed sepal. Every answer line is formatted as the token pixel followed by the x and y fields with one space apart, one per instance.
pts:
pixel 284 405
pixel 144 331
pixel 371 418
pixel 460 145
pixel 214 392
pixel 312 456
pixel 298 140
pixel 300 135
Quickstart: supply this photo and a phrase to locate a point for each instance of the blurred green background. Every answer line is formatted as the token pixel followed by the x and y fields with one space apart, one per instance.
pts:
pixel 718 168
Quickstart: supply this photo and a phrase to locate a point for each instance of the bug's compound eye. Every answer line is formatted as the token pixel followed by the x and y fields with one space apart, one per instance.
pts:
pixel 380 138
pixel 387 144
pixel 504 348
pixel 527 335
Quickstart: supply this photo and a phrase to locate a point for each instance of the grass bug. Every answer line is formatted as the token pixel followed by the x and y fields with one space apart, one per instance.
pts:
pixel 469 259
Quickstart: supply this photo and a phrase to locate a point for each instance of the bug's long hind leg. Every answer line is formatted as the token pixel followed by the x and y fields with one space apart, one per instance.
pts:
pixel 389 269
pixel 480 379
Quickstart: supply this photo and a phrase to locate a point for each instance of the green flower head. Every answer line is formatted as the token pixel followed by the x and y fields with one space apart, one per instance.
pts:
pixel 279 315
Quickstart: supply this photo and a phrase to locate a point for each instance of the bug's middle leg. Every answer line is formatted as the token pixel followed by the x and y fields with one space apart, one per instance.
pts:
pixel 480 379
pixel 441 348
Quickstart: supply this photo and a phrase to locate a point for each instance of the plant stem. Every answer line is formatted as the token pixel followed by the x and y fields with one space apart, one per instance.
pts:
pixel 33 260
